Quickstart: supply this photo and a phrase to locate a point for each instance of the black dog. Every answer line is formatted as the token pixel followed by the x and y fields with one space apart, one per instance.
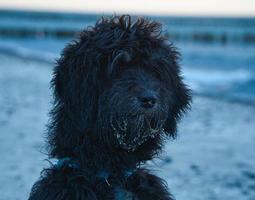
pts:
pixel 118 94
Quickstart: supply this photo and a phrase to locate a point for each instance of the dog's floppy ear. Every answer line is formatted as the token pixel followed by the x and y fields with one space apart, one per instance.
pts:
pixel 118 57
pixel 181 97
pixel 76 93
pixel 181 101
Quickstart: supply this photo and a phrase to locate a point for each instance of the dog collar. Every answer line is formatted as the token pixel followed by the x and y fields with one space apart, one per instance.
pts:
pixel 104 174
pixel 71 163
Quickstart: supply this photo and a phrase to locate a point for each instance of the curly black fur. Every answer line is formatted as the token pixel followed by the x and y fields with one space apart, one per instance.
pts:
pixel 102 118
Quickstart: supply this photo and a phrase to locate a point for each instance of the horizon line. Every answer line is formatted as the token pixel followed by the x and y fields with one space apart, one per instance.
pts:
pixel 155 14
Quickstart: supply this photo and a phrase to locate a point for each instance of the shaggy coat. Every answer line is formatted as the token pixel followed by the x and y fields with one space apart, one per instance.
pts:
pixel 118 95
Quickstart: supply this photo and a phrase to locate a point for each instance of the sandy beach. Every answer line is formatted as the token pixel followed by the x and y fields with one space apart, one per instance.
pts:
pixel 213 157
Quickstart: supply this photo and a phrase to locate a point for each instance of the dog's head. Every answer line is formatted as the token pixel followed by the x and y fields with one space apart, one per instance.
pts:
pixel 119 82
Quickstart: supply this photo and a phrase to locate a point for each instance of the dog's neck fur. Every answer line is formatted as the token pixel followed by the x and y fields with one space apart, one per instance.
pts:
pixel 96 156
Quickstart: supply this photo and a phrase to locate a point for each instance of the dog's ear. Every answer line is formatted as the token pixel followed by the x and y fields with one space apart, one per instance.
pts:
pixel 118 58
pixel 75 88
pixel 180 93
pixel 180 103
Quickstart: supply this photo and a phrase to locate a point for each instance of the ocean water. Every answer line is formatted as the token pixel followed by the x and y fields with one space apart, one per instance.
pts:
pixel 218 54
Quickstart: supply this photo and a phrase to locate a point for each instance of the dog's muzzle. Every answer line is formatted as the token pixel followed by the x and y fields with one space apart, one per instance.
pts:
pixel 134 131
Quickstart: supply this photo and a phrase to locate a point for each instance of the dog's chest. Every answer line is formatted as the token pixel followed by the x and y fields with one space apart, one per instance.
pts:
pixel 122 194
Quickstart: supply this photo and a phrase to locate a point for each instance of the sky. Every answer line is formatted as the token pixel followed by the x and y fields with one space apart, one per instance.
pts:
pixel 158 7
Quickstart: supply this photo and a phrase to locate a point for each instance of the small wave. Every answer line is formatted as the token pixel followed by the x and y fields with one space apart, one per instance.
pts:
pixel 199 78
pixel 28 53
pixel 235 85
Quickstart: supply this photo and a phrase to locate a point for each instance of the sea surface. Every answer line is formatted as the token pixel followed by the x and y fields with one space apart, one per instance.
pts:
pixel 218 54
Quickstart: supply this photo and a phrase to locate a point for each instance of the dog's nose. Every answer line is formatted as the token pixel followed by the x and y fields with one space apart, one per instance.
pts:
pixel 148 99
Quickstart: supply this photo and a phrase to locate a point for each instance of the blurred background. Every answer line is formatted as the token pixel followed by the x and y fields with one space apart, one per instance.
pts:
pixel 214 155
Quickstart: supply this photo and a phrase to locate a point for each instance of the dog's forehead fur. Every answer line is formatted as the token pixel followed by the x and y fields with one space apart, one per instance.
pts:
pixel 120 42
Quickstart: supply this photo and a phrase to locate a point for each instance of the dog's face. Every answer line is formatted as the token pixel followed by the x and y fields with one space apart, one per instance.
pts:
pixel 136 105
pixel 119 84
